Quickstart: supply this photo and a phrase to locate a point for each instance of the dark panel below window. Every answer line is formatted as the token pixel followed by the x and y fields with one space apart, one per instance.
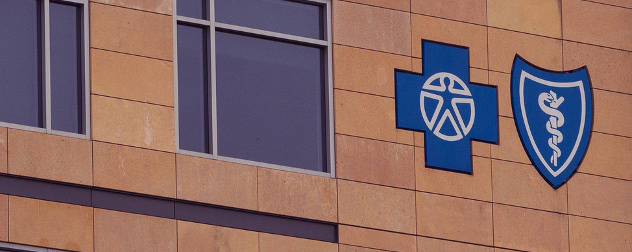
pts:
pixel 300 19
pixel 20 63
pixel 270 101
pixel 170 208
pixel 193 99
pixel 66 68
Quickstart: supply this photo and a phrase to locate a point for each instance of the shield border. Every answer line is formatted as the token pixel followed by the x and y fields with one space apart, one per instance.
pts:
pixel 580 74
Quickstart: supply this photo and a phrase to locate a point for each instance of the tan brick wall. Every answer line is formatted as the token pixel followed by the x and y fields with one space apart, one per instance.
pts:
pixel 383 196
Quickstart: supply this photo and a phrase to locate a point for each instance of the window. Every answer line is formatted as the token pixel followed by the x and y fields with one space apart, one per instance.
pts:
pixel 43 55
pixel 253 82
pixel 12 247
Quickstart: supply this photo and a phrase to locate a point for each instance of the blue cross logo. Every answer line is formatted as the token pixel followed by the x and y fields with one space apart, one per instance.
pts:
pixel 442 103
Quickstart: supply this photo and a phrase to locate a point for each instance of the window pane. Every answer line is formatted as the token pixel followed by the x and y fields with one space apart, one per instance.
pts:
pixel 289 17
pixel 20 63
pixel 193 82
pixel 192 8
pixel 66 68
pixel 270 101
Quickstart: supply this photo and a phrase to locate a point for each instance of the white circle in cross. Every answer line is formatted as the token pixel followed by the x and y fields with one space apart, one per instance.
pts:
pixel 447 82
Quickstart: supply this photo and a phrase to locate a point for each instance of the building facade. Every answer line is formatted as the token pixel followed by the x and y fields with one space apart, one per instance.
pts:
pixel 159 125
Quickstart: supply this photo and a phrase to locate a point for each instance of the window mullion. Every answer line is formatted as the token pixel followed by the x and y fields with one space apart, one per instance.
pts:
pixel 273 35
pixel 86 69
pixel 46 68
pixel 175 75
pixel 329 95
pixel 213 79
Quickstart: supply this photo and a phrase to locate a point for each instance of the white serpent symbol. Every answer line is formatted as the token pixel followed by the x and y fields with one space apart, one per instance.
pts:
pixel 556 120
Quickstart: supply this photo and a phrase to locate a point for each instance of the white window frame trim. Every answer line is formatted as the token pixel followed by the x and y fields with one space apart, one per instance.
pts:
pixel 211 25
pixel 85 22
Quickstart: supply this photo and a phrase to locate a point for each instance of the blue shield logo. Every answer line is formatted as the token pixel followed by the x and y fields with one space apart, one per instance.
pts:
pixel 553 113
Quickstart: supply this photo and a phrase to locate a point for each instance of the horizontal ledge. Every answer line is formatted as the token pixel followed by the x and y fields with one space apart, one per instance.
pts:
pixel 164 207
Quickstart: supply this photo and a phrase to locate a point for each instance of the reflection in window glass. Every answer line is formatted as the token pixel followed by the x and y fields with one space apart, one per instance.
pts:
pixel 20 63
pixel 193 109
pixel 270 98
pixel 67 104
pixel 193 8
pixel 294 18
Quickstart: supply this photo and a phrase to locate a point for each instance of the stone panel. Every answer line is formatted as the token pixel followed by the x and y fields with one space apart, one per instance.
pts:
pixel 201 237
pixel 521 185
pixel 600 197
pixel 605 156
pixel 132 123
pixel 597 235
pixel 50 224
pixel 131 31
pixel 118 231
pixel 368 116
pixel 132 77
pixel 403 5
pixel 371 27
pixel 134 169
pixel 610 113
pixel 474 186
pixel 279 243
pixel 217 182
pixel 472 11
pixel 50 157
pixel 367 71
pixel 438 245
pixel 597 24
pixel 454 219
pixel 375 162
pixel 452 32
pixel 609 68
pixel 297 194
pixel 530 230
pixel 159 6
pixel 542 17
pixel 541 51
pixel 376 207
pixel 371 238
pixel 509 147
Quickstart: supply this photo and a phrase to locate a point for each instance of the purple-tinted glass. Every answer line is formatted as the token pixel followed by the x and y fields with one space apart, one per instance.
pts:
pixel 193 105
pixel 66 68
pixel 20 63
pixel 294 18
pixel 193 8
pixel 270 101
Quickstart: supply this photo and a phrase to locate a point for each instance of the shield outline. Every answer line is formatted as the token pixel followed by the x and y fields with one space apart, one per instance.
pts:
pixel 578 77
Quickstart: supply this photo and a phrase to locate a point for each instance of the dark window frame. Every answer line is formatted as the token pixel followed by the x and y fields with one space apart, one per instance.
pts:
pixel 14 247
pixel 45 72
pixel 213 26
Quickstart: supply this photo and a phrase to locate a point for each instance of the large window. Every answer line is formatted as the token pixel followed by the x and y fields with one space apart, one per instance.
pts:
pixel 253 82
pixel 43 80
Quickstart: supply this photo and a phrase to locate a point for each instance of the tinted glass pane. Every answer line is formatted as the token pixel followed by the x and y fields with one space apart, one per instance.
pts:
pixel 192 8
pixel 289 17
pixel 20 61
pixel 193 89
pixel 270 101
pixel 66 68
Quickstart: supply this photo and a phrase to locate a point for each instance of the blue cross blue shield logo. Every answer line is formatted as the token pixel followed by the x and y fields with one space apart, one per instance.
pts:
pixel 553 114
pixel 443 103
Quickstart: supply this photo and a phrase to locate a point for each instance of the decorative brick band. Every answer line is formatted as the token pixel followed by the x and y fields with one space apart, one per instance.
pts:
pixel 170 208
